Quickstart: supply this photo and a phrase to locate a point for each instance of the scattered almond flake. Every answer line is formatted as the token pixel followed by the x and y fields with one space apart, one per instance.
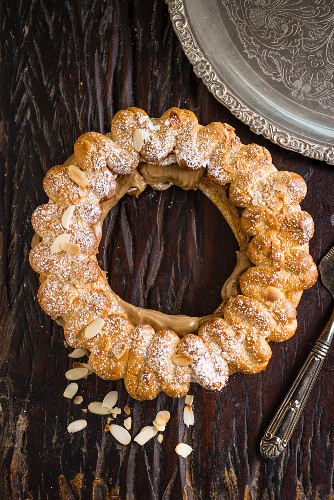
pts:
pixel 127 423
pixel 158 427
pixel 116 411
pixel 106 428
pixel 160 438
pixel 78 353
pixel 71 248
pixel 127 410
pixel 120 434
pixel 189 399
pixel 118 351
pixel 67 216
pixel 84 410
pixel 78 176
pixel 77 425
pixel 138 139
pixel 162 417
pixel 182 360
pixel 77 364
pixel 183 449
pixel 71 390
pixel 188 416
pixel 97 408
pixel 58 241
pixel 145 434
pixel 280 186
pixel 109 419
pixel 110 399
pixel 76 373
pixel 78 400
pixel 94 328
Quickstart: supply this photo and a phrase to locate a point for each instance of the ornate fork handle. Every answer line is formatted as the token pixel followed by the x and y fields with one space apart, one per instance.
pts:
pixel 282 426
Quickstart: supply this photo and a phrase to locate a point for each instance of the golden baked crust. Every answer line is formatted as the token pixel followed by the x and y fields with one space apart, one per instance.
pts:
pixel 272 227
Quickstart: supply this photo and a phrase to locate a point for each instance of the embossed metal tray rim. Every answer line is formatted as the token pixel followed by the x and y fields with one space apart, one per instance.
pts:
pixel 257 123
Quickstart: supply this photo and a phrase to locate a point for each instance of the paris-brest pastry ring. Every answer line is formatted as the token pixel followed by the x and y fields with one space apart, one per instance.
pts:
pixel 152 351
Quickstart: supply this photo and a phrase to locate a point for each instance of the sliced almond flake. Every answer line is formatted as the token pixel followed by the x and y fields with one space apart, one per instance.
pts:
pixel 78 176
pixel 84 410
pixel 120 434
pixel 58 242
pixel 71 390
pixel 145 434
pixel 116 411
pixel 127 423
pixel 162 417
pixel 94 328
pixel 110 399
pixel 77 364
pixel 189 399
pixel 66 218
pixel 183 449
pixel 78 353
pixel 78 400
pixel 158 427
pixel 71 248
pixel 119 350
pixel 76 373
pixel 109 419
pixel 97 408
pixel 138 139
pixel 188 416
pixel 280 186
pixel 106 428
pixel 77 425
pixel 182 360
pixel 127 410
pixel 160 438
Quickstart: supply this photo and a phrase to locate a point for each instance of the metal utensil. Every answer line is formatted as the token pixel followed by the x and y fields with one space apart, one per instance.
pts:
pixel 282 426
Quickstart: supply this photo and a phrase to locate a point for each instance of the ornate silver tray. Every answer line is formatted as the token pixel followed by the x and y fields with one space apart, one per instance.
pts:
pixel 270 62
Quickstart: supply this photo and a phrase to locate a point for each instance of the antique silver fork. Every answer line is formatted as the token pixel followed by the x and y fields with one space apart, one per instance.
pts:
pixel 282 425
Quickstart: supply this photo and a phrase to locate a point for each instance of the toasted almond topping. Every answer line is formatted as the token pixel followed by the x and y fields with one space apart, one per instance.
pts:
pixel 67 216
pixel 280 186
pixel 189 399
pixel 78 353
pixel 71 390
pixel 120 434
pixel 158 427
pixel 127 410
pixel 138 139
pixel 272 293
pixel 35 240
pixel 97 408
pixel 127 423
pixel 188 416
pixel 106 428
pixel 77 425
pixel 76 373
pixel 94 328
pixel 182 360
pixel 78 176
pixel 183 449
pixel 58 242
pixel 78 400
pixel 110 399
pixel 71 248
pixel 118 350
pixel 145 434
pixel 160 438
pixel 162 417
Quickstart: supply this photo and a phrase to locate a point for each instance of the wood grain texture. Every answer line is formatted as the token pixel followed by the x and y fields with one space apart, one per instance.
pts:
pixel 66 68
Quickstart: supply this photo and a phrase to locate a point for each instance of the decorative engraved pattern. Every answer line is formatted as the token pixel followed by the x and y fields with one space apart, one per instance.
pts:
pixel 292 41
pixel 216 86
pixel 272 446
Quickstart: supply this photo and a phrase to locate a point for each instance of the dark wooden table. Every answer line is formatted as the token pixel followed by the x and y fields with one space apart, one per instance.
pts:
pixel 66 68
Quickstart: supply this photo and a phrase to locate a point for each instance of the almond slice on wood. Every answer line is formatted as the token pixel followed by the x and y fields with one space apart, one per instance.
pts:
pixel 127 423
pixel 138 139
pixel 182 360
pixel 76 373
pixel 77 425
pixel 127 410
pixel 162 417
pixel 189 399
pixel 78 176
pixel 78 400
pixel 67 216
pixel 71 390
pixel 94 328
pixel 116 411
pixel 56 246
pixel 110 399
pixel 158 427
pixel 120 434
pixel 183 449
pixel 188 416
pixel 160 438
pixel 97 408
pixel 78 353
pixel 145 434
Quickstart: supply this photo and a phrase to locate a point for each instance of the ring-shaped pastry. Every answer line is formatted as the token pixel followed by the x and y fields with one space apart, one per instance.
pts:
pixel 152 351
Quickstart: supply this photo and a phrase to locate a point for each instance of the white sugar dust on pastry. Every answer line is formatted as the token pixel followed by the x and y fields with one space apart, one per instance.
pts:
pixel 152 351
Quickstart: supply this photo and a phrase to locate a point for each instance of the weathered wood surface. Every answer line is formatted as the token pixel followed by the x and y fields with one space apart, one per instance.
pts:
pixel 66 68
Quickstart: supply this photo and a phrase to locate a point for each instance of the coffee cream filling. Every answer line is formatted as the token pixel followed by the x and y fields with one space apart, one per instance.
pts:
pixel 162 177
